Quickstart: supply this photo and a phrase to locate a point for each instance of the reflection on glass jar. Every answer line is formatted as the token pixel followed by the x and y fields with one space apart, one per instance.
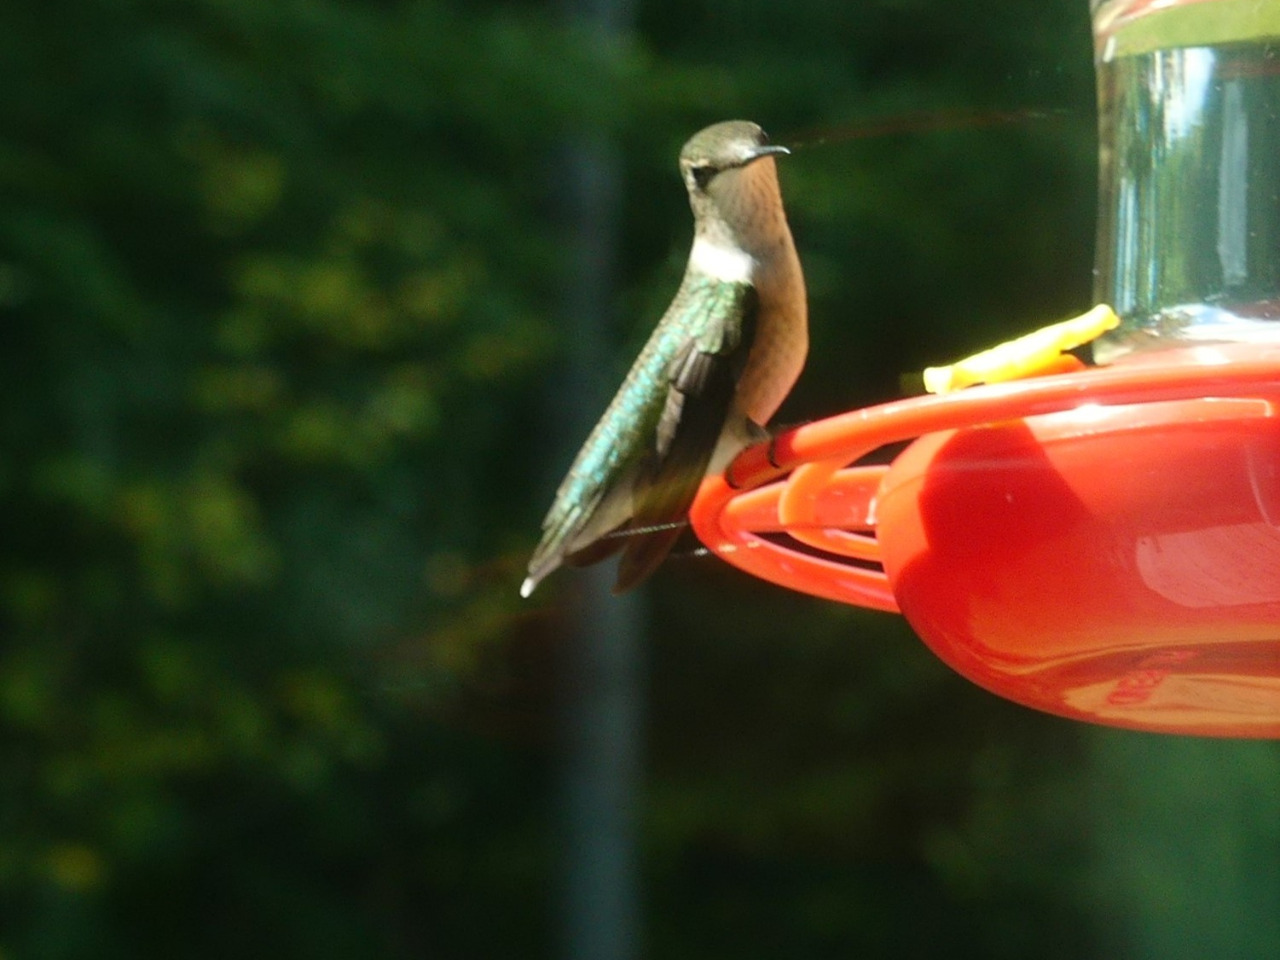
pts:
pixel 1189 189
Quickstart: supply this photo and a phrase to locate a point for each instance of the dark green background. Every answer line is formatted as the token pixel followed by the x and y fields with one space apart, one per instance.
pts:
pixel 281 296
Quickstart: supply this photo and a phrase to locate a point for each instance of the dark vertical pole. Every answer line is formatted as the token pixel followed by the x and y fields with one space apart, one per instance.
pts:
pixel 603 675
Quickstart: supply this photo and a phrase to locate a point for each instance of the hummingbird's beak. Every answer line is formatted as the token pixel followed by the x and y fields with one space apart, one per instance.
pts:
pixel 768 150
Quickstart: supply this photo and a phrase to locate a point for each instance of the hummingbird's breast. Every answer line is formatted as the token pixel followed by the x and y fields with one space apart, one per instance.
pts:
pixel 782 324
pixel 780 346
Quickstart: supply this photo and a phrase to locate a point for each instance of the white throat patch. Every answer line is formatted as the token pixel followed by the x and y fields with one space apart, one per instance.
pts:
pixel 721 262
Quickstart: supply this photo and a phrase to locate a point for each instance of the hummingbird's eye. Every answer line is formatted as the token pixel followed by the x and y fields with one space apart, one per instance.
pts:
pixel 702 175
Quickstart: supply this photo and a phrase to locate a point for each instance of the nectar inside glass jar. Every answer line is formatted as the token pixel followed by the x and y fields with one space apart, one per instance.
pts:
pixel 1188 246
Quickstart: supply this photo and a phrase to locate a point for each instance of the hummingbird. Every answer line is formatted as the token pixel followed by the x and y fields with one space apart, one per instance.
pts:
pixel 722 359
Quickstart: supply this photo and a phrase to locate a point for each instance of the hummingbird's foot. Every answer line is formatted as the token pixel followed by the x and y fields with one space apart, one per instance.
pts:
pixel 758 435
pixel 772 435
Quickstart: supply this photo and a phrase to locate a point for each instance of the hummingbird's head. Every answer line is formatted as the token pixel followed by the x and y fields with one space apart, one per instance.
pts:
pixel 733 194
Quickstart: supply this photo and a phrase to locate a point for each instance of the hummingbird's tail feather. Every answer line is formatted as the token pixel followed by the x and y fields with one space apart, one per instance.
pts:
pixel 644 554
pixel 588 555
pixel 542 566
pixel 602 549
pixel 582 534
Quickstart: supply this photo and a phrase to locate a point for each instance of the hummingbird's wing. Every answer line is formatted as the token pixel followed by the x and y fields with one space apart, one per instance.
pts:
pixel 702 378
pixel 647 454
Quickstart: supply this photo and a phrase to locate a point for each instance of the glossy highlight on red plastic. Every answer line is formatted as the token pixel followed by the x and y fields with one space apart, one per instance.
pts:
pixel 1104 545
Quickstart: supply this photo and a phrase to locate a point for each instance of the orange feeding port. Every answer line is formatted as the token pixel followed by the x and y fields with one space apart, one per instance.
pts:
pixel 1103 544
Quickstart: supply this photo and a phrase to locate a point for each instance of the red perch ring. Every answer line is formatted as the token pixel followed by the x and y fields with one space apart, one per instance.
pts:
pixel 1103 545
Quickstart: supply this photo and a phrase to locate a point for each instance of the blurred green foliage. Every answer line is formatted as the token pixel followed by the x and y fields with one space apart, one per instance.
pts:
pixel 278 292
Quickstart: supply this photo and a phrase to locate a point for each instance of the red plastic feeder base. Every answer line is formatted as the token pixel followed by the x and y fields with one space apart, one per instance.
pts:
pixel 1103 545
